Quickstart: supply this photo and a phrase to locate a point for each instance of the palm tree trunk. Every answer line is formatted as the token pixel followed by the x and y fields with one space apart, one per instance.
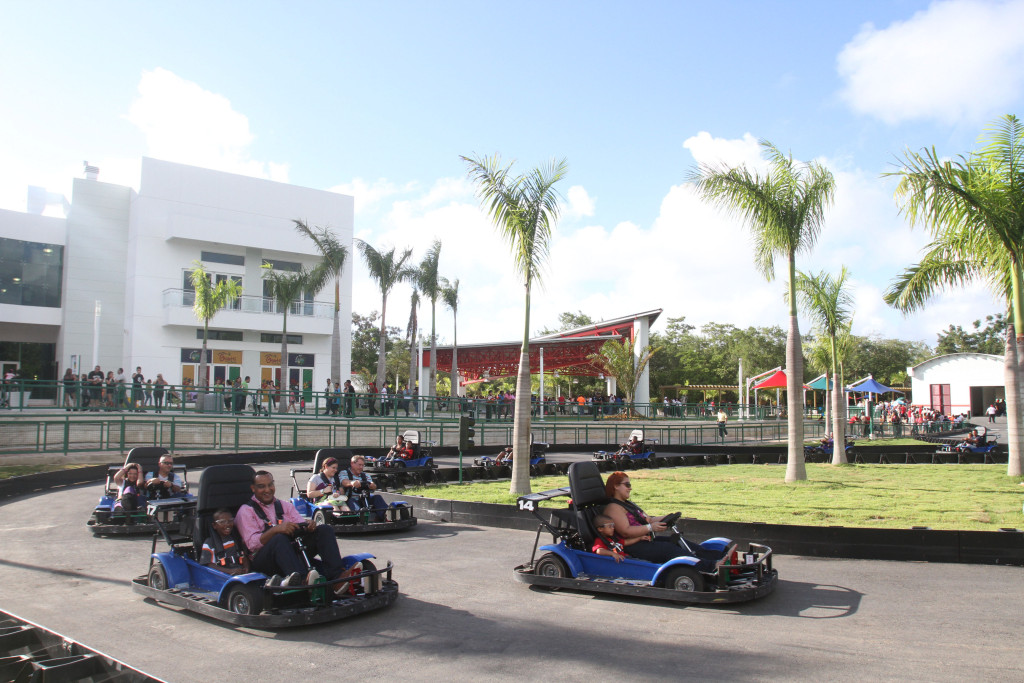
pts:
pixel 433 348
pixel 1011 380
pixel 336 333
pixel 838 424
pixel 521 423
pixel 413 365
pixel 828 403
pixel 284 389
pixel 202 379
pixel 795 468
pixel 381 352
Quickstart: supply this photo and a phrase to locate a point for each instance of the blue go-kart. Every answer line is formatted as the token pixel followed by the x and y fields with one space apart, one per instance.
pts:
pixel 422 455
pixel 638 451
pixel 502 463
pixel 720 575
pixel 110 519
pixel 823 451
pixel 177 578
pixel 981 442
pixel 399 514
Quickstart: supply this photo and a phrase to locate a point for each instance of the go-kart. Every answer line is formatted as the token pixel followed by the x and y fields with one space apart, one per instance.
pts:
pixel 641 454
pixel 422 455
pixel 826 449
pixel 177 578
pixel 503 466
pixel 109 519
pixel 730 576
pixel 399 514
pixel 985 444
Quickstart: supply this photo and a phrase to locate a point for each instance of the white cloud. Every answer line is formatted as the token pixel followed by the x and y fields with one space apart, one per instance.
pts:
pixel 184 123
pixel 367 195
pixel 955 61
pixel 580 204
pixel 720 151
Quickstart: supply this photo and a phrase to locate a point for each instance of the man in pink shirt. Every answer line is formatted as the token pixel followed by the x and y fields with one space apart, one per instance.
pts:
pixel 267 527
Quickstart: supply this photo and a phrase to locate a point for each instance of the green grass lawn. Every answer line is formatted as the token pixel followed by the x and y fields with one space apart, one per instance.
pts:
pixel 977 497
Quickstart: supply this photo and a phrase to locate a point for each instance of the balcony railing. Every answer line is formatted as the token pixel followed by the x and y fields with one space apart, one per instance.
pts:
pixel 247 303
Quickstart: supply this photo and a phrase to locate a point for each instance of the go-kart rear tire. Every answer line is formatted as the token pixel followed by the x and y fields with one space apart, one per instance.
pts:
pixel 320 517
pixel 551 566
pixel 245 599
pixel 371 584
pixel 157 578
pixel 685 579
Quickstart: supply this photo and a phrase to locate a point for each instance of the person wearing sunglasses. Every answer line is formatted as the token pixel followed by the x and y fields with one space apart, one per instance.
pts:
pixel 637 528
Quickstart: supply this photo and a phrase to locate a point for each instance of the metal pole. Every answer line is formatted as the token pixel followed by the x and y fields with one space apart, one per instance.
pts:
pixel 96 334
pixel 542 383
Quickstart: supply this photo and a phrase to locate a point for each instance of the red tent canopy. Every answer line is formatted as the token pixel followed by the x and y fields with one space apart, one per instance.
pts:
pixel 776 381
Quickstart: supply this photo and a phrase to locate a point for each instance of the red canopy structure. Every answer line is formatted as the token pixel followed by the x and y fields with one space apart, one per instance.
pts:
pixel 776 381
pixel 565 352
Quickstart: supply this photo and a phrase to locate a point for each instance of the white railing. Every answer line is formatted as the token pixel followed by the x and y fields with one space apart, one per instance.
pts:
pixel 247 303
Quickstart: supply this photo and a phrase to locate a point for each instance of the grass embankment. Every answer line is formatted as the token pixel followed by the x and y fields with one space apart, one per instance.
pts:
pixel 979 497
pixel 7 471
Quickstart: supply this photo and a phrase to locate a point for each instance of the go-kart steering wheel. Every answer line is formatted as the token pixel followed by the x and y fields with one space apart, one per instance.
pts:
pixel 670 519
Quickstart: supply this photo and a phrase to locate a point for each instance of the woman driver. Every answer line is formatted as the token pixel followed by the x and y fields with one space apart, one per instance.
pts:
pixel 631 522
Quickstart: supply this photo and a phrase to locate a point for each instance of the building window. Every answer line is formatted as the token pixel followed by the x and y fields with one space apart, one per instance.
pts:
pixel 30 273
pixel 221 335
pixel 215 257
pixel 188 292
pixel 268 338
pixel 289 266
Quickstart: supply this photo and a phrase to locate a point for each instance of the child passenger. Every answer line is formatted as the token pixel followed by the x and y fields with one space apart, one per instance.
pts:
pixel 607 542
pixel 223 550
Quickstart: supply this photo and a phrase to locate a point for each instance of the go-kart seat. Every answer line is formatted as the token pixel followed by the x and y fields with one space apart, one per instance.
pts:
pixel 342 455
pixel 220 486
pixel 588 498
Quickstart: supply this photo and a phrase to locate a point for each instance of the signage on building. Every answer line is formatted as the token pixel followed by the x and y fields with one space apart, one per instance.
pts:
pixel 194 355
pixel 300 360
pixel 270 358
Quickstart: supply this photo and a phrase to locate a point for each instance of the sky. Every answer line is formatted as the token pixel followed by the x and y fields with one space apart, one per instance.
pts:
pixel 380 100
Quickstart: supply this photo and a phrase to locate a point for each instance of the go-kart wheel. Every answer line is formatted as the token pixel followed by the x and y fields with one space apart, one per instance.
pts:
pixel 157 579
pixel 683 579
pixel 551 566
pixel 245 599
pixel 320 517
pixel 652 462
pixel 398 464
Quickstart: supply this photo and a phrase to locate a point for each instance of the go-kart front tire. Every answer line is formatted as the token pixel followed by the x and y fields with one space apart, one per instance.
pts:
pixel 551 566
pixel 244 599
pixel 157 579
pixel 683 579
pixel 320 517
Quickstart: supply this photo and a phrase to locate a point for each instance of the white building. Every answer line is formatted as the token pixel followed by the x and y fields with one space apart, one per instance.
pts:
pixel 958 382
pixel 115 271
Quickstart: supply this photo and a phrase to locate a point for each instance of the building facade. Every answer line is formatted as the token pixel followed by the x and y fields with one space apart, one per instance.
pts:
pixel 109 284
pixel 958 382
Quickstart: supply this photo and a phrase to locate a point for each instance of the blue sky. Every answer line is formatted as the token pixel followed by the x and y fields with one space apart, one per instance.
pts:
pixel 379 100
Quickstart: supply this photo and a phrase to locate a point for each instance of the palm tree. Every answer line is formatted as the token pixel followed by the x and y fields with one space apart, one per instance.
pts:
pixel 450 294
pixel 286 288
pixel 524 208
pixel 829 303
pixel 819 358
pixel 411 331
pixel 334 254
pixel 785 210
pixel 388 270
pixel 974 208
pixel 620 360
pixel 209 299
pixel 430 283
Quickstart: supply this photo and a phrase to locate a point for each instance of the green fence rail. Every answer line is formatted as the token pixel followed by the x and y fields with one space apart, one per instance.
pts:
pixel 119 433
pixel 76 397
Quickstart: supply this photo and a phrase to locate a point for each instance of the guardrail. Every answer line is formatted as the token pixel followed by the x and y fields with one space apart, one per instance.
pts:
pixel 119 433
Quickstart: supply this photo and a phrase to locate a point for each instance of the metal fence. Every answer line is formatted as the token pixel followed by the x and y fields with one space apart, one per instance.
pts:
pixel 31 395
pixel 119 433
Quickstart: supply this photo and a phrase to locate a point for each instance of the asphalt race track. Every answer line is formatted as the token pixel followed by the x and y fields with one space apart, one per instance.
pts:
pixel 461 616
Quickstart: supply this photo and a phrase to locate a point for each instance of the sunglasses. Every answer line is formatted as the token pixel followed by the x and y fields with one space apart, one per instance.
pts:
pixel 227 520
pixel 626 484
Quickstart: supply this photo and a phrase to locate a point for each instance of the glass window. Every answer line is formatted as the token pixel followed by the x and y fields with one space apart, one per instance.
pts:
pixel 220 335
pixel 215 257
pixel 30 273
pixel 283 265
pixel 268 338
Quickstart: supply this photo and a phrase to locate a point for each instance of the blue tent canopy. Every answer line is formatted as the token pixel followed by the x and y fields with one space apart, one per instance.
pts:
pixel 870 386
